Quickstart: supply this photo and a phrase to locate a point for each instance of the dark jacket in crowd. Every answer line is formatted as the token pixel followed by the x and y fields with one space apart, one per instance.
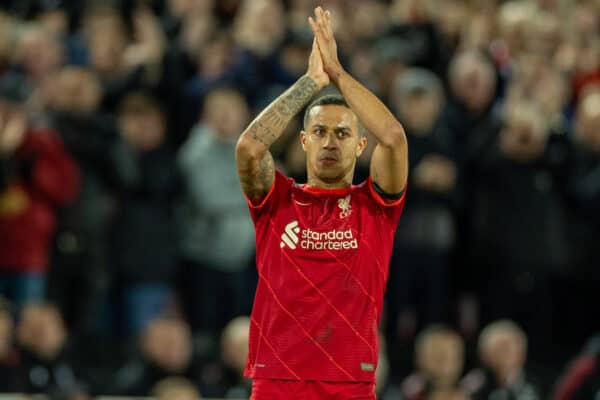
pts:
pixel 57 378
pixel 482 385
pixel 144 242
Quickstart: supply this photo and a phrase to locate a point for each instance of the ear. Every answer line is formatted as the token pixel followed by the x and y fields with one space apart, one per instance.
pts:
pixel 303 139
pixel 362 143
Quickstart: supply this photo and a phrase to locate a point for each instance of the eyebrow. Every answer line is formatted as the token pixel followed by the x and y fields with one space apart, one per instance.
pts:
pixel 338 128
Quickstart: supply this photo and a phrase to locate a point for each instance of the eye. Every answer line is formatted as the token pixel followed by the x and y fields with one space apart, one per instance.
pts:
pixel 341 134
pixel 319 131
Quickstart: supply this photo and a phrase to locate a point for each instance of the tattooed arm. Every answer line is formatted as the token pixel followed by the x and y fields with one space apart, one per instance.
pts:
pixel 389 162
pixel 254 161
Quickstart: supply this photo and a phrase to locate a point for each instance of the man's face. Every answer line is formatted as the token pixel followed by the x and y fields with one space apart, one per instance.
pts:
pixel 332 142
pixel 442 358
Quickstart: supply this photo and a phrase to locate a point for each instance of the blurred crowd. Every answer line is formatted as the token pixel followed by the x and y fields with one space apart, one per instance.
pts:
pixel 126 247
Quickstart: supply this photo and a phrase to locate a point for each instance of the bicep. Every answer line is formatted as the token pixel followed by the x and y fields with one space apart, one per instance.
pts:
pixel 256 170
pixel 389 167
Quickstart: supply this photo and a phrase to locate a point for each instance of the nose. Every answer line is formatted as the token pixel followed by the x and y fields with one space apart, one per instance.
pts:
pixel 330 142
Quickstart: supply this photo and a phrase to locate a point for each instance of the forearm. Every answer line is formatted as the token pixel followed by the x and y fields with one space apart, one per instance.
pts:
pixel 371 112
pixel 271 123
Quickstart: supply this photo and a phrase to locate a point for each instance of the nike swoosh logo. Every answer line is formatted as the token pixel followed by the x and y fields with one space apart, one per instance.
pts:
pixel 302 204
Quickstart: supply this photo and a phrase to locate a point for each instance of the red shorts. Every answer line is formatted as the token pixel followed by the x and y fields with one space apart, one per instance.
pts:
pixel 274 389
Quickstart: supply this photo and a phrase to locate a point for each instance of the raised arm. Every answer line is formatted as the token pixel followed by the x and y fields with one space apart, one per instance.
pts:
pixel 254 161
pixel 389 162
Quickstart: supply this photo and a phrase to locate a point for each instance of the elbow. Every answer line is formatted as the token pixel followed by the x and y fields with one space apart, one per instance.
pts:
pixel 249 148
pixel 395 138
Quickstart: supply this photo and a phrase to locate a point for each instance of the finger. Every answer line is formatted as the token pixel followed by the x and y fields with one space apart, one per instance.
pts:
pixel 328 23
pixel 319 15
pixel 317 31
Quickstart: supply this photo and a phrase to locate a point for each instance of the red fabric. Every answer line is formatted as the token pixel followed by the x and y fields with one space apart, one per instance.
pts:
pixel 581 369
pixel 582 80
pixel 27 210
pixel 316 310
pixel 267 389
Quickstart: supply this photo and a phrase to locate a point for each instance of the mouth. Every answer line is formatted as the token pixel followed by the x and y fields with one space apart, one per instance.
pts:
pixel 329 158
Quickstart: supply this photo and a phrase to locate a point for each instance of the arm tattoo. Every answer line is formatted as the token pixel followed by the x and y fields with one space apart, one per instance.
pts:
pixel 256 176
pixel 271 123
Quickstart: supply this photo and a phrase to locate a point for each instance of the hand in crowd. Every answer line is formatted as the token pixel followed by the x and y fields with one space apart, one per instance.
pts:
pixel 150 41
pixel 12 131
pixel 435 173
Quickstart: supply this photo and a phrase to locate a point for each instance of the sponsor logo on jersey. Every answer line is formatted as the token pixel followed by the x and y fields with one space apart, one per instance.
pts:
pixel 309 239
pixel 289 237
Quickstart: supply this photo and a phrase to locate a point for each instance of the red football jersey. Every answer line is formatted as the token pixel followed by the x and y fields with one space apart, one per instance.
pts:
pixel 323 260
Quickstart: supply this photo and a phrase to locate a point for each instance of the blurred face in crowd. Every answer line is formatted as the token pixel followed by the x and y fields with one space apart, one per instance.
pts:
pixel 39 52
pixel 419 110
pixel 167 344
pixel 42 331
pixel 332 143
pixel 77 91
pixel 440 356
pixel 368 19
pixel 142 125
pixel 473 82
pixel 55 20
pixel 226 112
pixel 181 8
pixel 179 394
pixel 235 343
pixel 175 388
pixel 525 134
pixel 504 352
pixel 588 121
pixel 259 25
pixel 544 33
pixel 513 18
pixel 215 57
pixel 6 333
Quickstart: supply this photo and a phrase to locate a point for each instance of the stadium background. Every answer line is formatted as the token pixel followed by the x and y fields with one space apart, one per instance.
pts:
pixel 126 247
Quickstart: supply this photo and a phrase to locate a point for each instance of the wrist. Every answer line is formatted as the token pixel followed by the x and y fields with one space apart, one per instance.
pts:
pixel 320 83
pixel 336 73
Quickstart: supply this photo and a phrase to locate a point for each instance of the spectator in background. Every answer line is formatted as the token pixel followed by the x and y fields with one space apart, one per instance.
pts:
pixel 165 350
pixel 48 366
pixel 219 63
pixel 213 216
pixel 234 351
pixel 516 239
pixel 503 352
pixel 12 378
pixel 439 360
pixel 144 243
pixel 124 65
pixel 175 389
pixel 418 287
pixel 37 176
pixel 583 191
pixel 79 277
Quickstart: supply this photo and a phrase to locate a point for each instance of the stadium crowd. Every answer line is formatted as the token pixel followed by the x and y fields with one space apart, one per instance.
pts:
pixel 126 247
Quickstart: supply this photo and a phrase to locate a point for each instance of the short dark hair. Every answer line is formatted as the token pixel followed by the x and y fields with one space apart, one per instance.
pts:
pixel 328 100
pixel 139 103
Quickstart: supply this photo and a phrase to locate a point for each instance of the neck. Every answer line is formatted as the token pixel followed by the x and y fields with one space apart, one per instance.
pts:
pixel 338 183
